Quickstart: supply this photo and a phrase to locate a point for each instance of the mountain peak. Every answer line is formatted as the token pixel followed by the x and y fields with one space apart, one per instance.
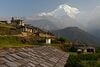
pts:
pixel 71 11
pixel 77 29
pixel 62 10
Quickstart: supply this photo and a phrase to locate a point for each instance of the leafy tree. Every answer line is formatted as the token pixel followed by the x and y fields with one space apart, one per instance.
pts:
pixel 73 61
pixel 62 40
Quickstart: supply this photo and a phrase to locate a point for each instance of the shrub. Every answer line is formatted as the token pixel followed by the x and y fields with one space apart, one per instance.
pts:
pixel 84 60
pixel 98 50
pixel 62 40
pixel 73 61
pixel 89 56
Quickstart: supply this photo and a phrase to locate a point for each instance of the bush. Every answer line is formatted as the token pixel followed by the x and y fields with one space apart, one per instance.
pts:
pixel 73 61
pixel 62 40
pixel 72 49
pixel 84 60
pixel 89 56
pixel 98 64
pixel 98 50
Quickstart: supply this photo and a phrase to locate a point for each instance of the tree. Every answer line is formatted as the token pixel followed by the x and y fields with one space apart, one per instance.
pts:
pixel 73 61
pixel 62 40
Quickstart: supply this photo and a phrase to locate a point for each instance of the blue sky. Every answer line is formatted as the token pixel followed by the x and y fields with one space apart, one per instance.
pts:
pixel 30 7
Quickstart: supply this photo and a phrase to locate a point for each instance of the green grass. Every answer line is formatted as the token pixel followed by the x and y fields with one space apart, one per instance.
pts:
pixel 6 25
pixel 7 29
pixel 10 41
pixel 83 60
pixel 72 53
pixel 93 63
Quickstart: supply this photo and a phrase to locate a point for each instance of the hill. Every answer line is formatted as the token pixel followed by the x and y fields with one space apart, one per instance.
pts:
pixel 96 32
pixel 75 33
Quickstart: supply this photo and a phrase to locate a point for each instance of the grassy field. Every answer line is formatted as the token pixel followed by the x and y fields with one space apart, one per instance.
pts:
pixel 83 60
pixel 6 40
pixel 10 41
pixel 6 25
pixel 7 29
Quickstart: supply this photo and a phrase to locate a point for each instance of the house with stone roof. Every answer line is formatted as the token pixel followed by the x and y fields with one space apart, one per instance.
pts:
pixel 43 56
pixel 48 36
pixel 26 28
pixel 86 50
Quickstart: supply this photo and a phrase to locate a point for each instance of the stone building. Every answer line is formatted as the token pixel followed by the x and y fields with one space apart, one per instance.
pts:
pixel 86 50
pixel 17 22
pixel 47 36
pixel 26 30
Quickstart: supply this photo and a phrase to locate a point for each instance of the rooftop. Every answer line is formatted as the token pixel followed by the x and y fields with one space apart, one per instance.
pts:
pixel 87 47
pixel 44 56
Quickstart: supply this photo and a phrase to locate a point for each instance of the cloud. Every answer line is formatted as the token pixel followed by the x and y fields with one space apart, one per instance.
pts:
pixel 93 25
pixel 62 10
pixel 94 19
pixel 95 14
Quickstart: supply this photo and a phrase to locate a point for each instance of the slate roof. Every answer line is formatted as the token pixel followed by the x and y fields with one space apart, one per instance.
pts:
pixel 44 56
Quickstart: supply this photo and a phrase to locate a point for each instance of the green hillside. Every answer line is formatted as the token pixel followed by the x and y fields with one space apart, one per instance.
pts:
pixel 6 38
pixel 7 29
pixel 75 33
pixel 10 41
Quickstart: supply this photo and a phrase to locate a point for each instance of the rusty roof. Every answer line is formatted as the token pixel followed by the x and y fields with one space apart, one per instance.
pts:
pixel 44 56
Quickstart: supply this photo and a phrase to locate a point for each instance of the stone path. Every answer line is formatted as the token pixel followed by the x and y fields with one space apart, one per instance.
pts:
pixel 44 56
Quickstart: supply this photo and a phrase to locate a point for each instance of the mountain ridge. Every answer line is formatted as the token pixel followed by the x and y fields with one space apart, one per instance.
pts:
pixel 75 33
pixel 44 24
